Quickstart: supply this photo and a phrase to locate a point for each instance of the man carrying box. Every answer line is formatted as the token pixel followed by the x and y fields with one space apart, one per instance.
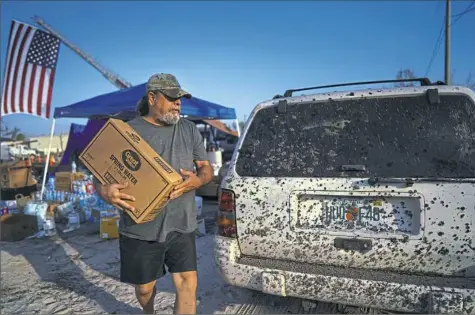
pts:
pixel 168 240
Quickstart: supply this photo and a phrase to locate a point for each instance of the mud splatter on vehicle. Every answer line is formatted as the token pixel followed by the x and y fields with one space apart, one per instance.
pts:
pixel 364 198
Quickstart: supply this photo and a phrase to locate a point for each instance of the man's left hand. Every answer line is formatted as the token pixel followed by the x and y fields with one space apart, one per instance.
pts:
pixel 191 182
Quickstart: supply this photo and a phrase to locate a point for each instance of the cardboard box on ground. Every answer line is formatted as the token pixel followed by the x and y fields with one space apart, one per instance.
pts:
pixel 15 227
pixel 16 180
pixel 64 180
pixel 16 175
pixel 117 154
pixel 109 227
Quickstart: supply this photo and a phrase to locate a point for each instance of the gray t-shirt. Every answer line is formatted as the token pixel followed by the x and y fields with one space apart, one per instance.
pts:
pixel 179 145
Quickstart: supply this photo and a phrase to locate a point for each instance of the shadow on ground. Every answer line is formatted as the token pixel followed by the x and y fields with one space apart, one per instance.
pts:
pixel 79 272
pixel 66 281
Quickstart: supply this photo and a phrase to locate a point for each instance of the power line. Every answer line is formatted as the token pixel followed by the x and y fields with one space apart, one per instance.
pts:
pixel 436 48
pixel 467 10
pixel 457 17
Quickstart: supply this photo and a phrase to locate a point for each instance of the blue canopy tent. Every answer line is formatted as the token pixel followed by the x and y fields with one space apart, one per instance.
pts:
pixel 121 104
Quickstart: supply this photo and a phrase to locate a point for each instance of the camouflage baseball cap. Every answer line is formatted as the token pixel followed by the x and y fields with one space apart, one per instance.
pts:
pixel 164 83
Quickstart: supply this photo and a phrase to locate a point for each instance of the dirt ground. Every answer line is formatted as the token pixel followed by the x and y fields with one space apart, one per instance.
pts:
pixel 77 272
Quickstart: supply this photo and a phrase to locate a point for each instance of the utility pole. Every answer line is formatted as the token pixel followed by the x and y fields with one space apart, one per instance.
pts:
pixel 447 42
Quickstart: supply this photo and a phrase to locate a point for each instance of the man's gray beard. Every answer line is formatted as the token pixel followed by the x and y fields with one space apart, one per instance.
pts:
pixel 169 118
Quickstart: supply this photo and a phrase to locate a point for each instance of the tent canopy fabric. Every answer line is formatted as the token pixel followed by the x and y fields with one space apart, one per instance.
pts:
pixel 121 104
pixel 75 131
pixel 79 138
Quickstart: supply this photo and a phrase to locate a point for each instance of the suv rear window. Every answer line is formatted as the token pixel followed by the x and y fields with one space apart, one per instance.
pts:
pixel 392 137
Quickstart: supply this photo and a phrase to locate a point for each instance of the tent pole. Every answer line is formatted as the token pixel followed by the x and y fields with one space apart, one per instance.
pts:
pixel 237 127
pixel 204 135
pixel 47 158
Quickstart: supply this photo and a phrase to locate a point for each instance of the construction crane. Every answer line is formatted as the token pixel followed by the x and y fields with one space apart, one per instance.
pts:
pixel 109 75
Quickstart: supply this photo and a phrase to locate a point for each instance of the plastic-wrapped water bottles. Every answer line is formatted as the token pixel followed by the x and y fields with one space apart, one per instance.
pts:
pixel 49 226
pixel 73 220
pixel 88 214
pixel 82 187
pixel 63 210
pixel 51 182
pixel 3 208
pixel 90 187
pixel 41 211
pixel 38 209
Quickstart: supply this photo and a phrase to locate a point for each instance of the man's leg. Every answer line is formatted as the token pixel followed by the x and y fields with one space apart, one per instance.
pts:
pixel 141 264
pixel 181 262
pixel 185 284
pixel 145 294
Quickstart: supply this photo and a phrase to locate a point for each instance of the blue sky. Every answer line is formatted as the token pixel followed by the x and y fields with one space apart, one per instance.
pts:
pixel 240 53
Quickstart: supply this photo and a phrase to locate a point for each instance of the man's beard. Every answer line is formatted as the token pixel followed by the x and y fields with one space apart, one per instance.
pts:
pixel 169 118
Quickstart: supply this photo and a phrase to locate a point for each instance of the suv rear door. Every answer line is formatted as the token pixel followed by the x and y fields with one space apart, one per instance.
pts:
pixel 324 181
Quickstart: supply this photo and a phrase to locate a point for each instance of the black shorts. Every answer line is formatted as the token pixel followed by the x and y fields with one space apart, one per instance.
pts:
pixel 142 262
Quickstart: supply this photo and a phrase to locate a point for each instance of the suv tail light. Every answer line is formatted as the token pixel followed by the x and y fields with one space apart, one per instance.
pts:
pixel 226 218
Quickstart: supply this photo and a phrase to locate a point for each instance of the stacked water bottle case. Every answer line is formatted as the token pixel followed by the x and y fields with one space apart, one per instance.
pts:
pixel 75 201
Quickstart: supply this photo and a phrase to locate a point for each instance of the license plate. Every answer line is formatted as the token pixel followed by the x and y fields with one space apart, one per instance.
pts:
pixel 352 212
pixel 399 215
pixel 369 214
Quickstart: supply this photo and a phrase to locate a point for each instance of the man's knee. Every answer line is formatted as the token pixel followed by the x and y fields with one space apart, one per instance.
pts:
pixel 185 281
pixel 145 289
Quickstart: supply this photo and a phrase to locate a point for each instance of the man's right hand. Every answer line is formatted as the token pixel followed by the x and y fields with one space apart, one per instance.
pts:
pixel 111 194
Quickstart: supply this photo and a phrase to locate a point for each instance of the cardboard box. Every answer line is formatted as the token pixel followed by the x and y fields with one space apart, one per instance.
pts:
pixel 15 227
pixel 78 176
pixel 22 201
pixel 117 154
pixel 109 228
pixel 64 180
pixel 20 175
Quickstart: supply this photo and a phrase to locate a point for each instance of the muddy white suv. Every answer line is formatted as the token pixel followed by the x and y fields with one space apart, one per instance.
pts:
pixel 363 197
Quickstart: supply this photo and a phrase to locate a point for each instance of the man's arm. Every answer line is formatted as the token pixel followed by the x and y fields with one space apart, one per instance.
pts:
pixel 205 172
pixel 200 158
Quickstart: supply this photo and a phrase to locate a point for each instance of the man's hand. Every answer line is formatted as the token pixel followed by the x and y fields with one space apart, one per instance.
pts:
pixel 191 182
pixel 112 194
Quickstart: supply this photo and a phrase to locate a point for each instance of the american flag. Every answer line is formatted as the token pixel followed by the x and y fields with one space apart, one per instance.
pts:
pixel 29 71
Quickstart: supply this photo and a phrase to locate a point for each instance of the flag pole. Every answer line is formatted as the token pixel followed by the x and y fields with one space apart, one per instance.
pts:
pixel 47 158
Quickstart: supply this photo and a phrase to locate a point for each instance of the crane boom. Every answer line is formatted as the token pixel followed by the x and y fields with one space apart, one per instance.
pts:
pixel 113 78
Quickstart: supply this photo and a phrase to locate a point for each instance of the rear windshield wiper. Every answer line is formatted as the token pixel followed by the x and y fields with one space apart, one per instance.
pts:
pixel 384 180
pixel 353 167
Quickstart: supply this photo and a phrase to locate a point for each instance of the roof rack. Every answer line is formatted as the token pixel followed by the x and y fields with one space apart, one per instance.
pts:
pixel 422 81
